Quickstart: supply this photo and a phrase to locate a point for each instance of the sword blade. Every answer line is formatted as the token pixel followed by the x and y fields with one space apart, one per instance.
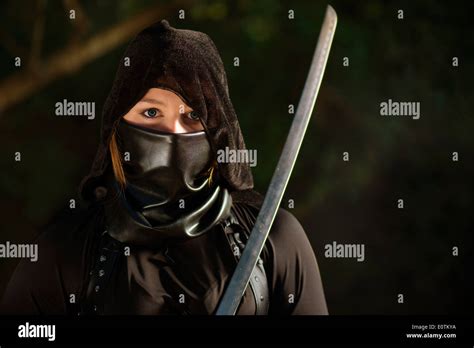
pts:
pixel 239 281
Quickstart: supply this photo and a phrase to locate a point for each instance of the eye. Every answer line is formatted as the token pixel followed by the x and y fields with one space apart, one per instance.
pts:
pixel 193 115
pixel 151 113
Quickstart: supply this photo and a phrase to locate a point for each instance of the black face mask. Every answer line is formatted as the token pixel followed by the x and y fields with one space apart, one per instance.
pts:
pixel 164 169
pixel 169 191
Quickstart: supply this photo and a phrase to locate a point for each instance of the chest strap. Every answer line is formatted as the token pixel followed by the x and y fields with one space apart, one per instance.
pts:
pixel 258 280
pixel 104 266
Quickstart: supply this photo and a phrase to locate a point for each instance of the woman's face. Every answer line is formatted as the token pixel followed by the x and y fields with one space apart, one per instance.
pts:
pixel 163 110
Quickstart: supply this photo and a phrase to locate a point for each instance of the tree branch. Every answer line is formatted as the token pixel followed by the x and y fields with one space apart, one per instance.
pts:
pixel 21 85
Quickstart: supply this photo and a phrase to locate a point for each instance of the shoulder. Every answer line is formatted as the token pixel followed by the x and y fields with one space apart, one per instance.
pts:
pixel 286 231
pixel 65 235
pixel 69 223
pixel 286 226
pixel 63 242
pixel 40 286
pixel 288 239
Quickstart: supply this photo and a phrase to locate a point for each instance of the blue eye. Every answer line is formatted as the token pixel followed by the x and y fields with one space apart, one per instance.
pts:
pixel 151 113
pixel 193 115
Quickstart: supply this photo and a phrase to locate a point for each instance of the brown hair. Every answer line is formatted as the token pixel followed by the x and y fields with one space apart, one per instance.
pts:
pixel 116 158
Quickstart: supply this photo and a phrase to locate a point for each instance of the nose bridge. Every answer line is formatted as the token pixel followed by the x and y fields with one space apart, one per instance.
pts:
pixel 172 120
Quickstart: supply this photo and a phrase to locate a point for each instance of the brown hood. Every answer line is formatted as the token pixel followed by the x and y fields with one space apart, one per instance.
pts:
pixel 186 62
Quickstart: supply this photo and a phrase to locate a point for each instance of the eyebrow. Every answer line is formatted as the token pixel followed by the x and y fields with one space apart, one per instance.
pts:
pixel 156 101
pixel 152 101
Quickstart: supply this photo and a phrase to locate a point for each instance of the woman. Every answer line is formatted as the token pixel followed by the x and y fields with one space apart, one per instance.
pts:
pixel 165 223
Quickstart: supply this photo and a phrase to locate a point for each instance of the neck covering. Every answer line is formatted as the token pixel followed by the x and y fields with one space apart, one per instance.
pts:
pixel 169 192
pixel 187 63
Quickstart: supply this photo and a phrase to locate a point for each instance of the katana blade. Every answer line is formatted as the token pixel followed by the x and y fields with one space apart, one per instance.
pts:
pixel 240 279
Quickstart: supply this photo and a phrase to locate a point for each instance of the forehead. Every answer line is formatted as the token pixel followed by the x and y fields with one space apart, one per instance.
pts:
pixel 162 96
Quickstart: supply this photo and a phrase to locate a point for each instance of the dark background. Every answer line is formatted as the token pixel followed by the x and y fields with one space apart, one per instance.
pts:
pixel 408 250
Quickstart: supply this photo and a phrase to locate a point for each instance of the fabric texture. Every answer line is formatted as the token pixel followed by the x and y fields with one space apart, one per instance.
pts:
pixel 187 63
pixel 199 268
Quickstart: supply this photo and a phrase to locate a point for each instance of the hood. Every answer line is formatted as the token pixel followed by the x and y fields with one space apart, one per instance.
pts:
pixel 187 63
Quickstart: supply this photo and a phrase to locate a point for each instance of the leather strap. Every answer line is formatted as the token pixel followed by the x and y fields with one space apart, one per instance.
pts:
pixel 258 279
pixel 107 256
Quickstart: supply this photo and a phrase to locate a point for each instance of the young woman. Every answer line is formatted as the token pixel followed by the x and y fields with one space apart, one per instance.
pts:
pixel 165 223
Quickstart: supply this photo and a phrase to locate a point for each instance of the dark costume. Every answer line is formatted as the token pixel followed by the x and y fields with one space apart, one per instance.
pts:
pixel 167 243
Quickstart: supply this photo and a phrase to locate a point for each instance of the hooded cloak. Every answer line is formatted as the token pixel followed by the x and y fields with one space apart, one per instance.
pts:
pixel 187 63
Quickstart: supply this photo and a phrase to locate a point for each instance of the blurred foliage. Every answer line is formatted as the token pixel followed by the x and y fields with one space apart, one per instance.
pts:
pixel 407 251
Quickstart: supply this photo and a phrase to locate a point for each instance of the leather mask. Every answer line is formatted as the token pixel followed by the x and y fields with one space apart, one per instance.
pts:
pixel 168 193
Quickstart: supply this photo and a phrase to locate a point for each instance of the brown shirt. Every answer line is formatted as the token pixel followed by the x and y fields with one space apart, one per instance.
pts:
pixel 189 278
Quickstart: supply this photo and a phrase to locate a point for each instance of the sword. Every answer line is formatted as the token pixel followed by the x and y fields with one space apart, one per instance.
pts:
pixel 240 279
